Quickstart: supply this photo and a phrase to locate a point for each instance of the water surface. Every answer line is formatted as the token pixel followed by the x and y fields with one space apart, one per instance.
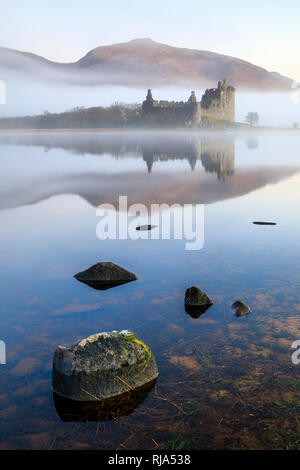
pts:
pixel 225 382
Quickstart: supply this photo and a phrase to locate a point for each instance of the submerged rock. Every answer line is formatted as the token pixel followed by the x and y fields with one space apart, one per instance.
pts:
pixel 144 228
pixel 102 366
pixel 196 302
pixel 106 410
pixel 241 308
pixel 105 275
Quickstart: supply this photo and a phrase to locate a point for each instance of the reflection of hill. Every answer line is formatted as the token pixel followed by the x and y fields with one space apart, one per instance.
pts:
pixel 194 187
pixel 216 153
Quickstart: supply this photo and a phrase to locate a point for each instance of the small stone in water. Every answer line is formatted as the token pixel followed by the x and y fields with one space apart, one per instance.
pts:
pixel 241 308
pixel 195 296
pixel 144 228
pixel 264 223
pixel 196 302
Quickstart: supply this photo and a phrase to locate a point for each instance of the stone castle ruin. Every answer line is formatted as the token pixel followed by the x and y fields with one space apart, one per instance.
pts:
pixel 217 104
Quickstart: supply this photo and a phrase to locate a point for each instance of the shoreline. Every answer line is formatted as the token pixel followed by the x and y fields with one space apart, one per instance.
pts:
pixel 179 129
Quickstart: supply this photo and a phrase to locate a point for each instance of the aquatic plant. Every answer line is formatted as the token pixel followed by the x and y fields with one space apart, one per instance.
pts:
pixel 181 439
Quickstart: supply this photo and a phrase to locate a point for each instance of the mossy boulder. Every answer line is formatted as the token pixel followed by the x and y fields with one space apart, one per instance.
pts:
pixel 102 366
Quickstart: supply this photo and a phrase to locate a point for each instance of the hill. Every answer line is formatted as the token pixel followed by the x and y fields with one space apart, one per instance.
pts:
pixel 146 63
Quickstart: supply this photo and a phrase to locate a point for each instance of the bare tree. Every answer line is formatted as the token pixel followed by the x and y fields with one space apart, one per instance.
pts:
pixel 252 119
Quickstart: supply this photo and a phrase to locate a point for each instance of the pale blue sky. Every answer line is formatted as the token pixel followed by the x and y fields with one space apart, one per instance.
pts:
pixel 264 32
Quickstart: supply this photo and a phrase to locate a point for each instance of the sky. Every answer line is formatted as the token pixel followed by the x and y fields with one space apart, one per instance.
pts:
pixel 263 32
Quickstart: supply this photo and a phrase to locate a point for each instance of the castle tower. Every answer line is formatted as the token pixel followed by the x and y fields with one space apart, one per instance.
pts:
pixel 194 109
pixel 219 103
pixel 192 98
pixel 224 84
pixel 147 105
pixel 149 96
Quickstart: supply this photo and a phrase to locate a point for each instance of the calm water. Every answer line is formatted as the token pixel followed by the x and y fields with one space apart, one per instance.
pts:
pixel 225 382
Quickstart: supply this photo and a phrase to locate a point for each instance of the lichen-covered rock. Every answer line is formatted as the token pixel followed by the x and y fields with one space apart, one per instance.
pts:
pixel 240 308
pixel 102 366
pixel 105 275
pixel 196 301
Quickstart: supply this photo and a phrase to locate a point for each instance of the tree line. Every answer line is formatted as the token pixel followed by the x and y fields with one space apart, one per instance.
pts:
pixel 117 115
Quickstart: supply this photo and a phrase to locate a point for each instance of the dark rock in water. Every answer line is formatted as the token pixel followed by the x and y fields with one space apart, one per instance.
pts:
pixel 264 223
pixel 195 298
pixel 104 410
pixel 105 275
pixel 196 302
pixel 241 308
pixel 196 311
pixel 102 366
pixel 144 228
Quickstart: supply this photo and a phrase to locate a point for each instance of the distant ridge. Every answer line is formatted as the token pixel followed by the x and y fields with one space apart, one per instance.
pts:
pixel 146 63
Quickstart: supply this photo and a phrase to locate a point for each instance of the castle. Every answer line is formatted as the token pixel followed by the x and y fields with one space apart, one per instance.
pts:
pixel 216 104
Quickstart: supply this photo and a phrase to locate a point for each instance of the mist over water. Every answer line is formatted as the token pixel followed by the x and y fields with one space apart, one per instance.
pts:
pixel 27 96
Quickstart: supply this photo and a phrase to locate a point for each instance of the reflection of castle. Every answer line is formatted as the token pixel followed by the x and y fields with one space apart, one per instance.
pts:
pixel 167 149
pixel 216 153
pixel 217 156
pixel 216 104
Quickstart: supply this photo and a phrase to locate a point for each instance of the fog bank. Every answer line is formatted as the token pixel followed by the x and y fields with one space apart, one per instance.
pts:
pixel 26 96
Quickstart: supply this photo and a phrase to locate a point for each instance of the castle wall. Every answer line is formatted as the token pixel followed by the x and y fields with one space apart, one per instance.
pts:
pixel 216 103
pixel 171 112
